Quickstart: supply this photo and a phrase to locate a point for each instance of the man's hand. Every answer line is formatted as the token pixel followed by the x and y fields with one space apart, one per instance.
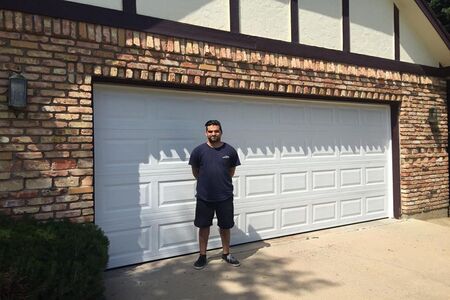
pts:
pixel 232 170
pixel 195 172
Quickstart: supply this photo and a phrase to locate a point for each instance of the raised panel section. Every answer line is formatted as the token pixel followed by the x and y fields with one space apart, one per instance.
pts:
pixel 236 187
pixel 324 212
pixel 125 152
pixel 351 208
pixel 350 144
pixel 176 192
pixel 293 182
pixel 375 204
pixel 293 115
pixel 129 242
pixel 259 148
pixel 260 221
pixel 260 185
pixel 174 151
pixel 373 118
pixel 351 177
pixel 323 179
pixel 118 196
pixel 294 216
pixel 292 149
pixel 374 145
pixel 321 115
pixel 323 144
pixel 375 175
pixel 348 116
pixel 177 235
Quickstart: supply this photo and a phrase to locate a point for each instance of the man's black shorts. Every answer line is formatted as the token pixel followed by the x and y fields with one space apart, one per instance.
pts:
pixel 204 213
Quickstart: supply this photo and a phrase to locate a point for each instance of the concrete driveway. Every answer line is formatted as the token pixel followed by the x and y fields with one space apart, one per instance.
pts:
pixel 385 259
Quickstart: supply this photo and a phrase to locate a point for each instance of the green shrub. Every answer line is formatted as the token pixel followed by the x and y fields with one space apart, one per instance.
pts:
pixel 52 260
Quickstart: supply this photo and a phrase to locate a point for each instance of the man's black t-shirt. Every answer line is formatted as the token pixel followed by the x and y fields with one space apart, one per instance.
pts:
pixel 214 164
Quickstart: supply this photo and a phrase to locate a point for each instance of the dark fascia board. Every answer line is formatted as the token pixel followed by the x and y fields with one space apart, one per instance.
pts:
pixel 434 21
pixel 119 19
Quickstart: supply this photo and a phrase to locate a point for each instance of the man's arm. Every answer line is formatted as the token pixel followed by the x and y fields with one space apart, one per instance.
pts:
pixel 232 170
pixel 195 172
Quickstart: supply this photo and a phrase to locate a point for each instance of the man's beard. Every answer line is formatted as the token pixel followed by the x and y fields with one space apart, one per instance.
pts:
pixel 214 139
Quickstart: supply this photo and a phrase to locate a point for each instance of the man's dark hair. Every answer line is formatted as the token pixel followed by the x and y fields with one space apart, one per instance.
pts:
pixel 213 122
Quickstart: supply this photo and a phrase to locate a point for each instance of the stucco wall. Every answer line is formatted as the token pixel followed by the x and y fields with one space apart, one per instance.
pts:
pixel 372 27
pixel 113 4
pixel 412 48
pixel 266 18
pixel 207 13
pixel 320 23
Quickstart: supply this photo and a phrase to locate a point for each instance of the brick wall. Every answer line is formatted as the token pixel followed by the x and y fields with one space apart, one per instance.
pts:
pixel 46 157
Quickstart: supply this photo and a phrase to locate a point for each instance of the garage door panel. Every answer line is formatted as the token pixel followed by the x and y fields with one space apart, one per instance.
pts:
pixel 305 166
pixel 291 149
pixel 351 208
pixel 351 177
pixel 323 179
pixel 176 193
pixel 174 150
pixel 349 117
pixel 293 182
pixel 130 242
pixel 175 235
pixel 321 116
pixel 295 216
pixel 324 212
pixel 376 204
pixel 292 116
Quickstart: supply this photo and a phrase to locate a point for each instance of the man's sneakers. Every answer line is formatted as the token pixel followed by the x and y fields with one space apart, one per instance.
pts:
pixel 231 260
pixel 201 262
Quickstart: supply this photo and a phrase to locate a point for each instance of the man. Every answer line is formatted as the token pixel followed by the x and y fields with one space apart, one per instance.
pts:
pixel 213 164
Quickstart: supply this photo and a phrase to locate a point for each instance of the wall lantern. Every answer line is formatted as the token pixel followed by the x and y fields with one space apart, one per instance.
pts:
pixel 17 91
pixel 433 115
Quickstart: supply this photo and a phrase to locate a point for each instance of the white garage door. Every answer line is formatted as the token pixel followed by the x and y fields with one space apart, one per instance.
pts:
pixel 305 165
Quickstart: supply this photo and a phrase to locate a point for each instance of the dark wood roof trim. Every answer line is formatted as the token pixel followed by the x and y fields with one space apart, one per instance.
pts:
pixel 114 18
pixel 345 26
pixel 234 16
pixel 295 37
pixel 396 33
pixel 434 21
pixel 129 6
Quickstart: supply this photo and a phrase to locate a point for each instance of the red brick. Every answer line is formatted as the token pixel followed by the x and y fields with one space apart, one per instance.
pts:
pixel 12 203
pixel 68 213
pixel 36 165
pixel 25 210
pixel 24 194
pixel 40 183
pixel 63 164
pixel 29 155
pixel 12 185
pixel 66 181
pixel 81 190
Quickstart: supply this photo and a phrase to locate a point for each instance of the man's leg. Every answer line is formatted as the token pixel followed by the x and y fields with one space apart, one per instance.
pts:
pixel 203 235
pixel 225 237
pixel 204 214
pixel 225 218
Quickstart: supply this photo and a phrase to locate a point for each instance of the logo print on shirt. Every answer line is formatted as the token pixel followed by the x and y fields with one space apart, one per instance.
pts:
pixel 225 157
